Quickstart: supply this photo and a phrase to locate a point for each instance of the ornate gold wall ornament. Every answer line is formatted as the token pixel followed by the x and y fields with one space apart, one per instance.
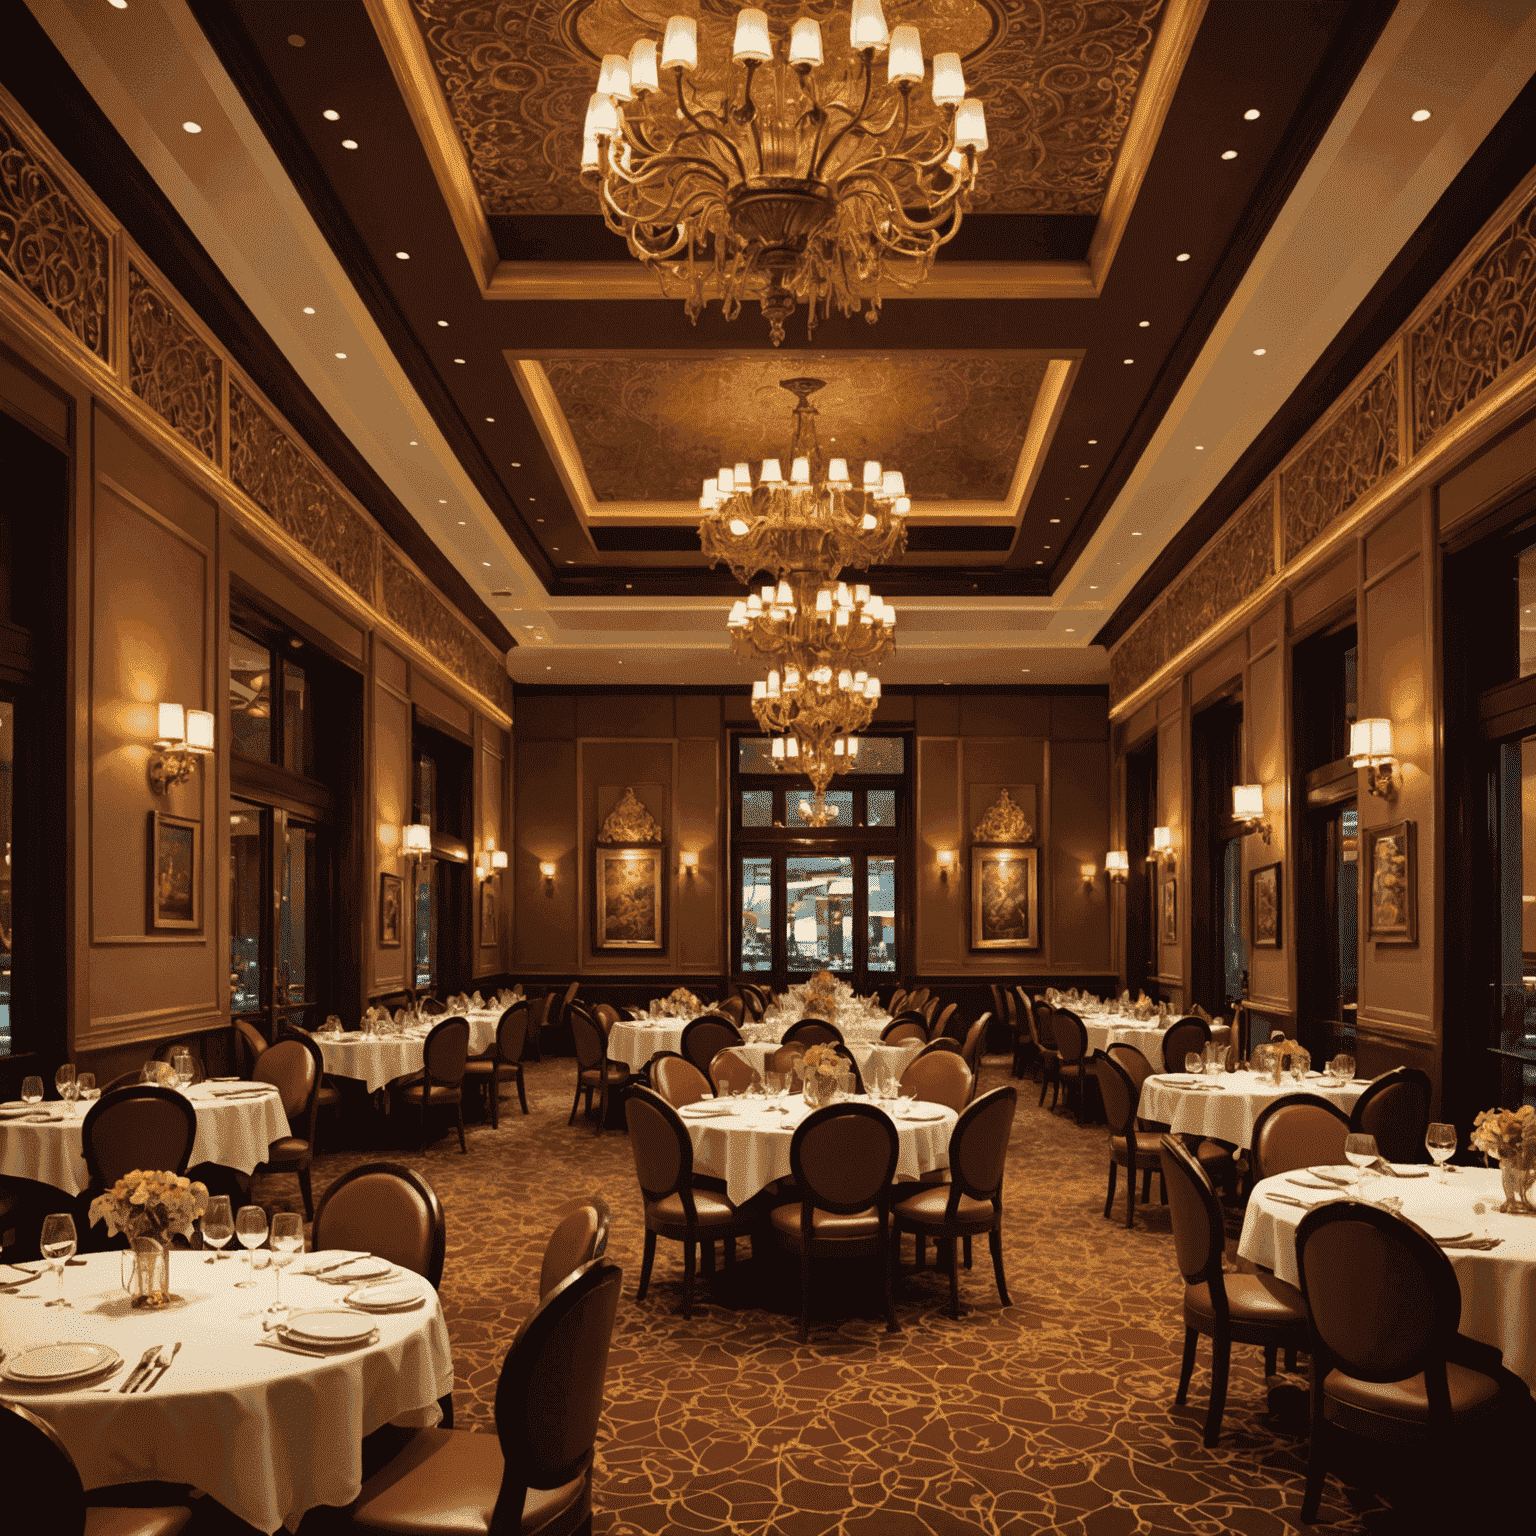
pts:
pixel 630 822
pixel 49 247
pixel 170 368
pixel 1482 327
pixel 1004 822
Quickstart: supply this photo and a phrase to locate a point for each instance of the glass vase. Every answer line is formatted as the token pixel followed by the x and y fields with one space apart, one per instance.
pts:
pixel 1517 1171
pixel 149 1277
pixel 818 1090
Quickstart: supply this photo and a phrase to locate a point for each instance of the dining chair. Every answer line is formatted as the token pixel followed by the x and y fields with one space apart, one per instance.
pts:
pixel 1132 1062
pixel 813 1032
pixel 45 1491
pixel 1049 1058
pixel 901 1031
pixel 917 999
pixel 939 1045
pixel 431 1007
pixel 606 1015
pixel 930 1009
pixel 705 1037
pixel 329 1096
pixel 755 999
pixel 538 1016
pixel 898 1000
pixel 250 1043
pixel 677 1080
pixel 842 1159
pixel 595 1073
pixel 733 1008
pixel 138 1126
pixel 1229 1309
pixel 1021 1035
pixel 579 1237
pixel 535 1472
pixel 294 1066
pixel 1383 1308
pixel 444 1058
pixel 783 1060
pixel 676 1205
pixel 853 1065
pixel 504 1061
pixel 1395 1110
pixel 731 1069
pixel 971 1201
pixel 970 1052
pixel 938 1077
pixel 1072 1049
pixel 1121 1095
pixel 1181 1038
pixel 1297 1130
pixel 388 1210
pixel 168 1053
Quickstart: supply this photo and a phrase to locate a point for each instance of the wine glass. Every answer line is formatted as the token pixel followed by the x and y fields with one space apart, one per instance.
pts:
pixel 31 1090
pixel 1440 1143
pixel 1344 1066
pixel 85 1087
pixel 1360 1152
pixel 181 1066
pixel 1194 1063
pixel 251 1230
pixel 64 1081
pixel 58 1245
pixel 287 1244
pixel 218 1226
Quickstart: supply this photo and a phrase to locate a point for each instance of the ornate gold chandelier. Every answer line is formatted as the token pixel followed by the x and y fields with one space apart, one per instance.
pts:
pixel 807 188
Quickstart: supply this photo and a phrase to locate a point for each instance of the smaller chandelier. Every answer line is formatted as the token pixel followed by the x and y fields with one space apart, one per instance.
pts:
pixel 837 624
pixel 822 187
pixel 817 717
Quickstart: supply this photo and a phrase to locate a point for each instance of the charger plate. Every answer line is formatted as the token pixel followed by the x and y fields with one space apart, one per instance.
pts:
pixel 53 1363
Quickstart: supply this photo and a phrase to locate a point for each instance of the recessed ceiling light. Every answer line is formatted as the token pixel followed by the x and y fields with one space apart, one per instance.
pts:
pixel 1023 669
pixel 342 356
pixel 549 669
pixel 1055 519
pixel 349 143
pixel 458 359
pixel 1135 535
pixel 192 127
pixel 1251 115
pixel 1260 351
pixel 1130 360
pixel 295 41
pixel 516 464
pixel 414 443
pixel 441 502
pixel 402 255
pixel 485 562
pixel 490 418
pixel 1093 589
pixel 1229 154
pixel 1039 562
pixel 331 115
pixel 572 562
pixel 462 523
pixel 629 586
pixel 538 519
pixel 555 547
pixel 443 323
pixel 1092 441
pixel 1071 631
pixel 1143 324
pixel 118 5
pixel 309 309
pixel 1082 466
pixel 1423 115
pixel 1199 447
pixel 1182 256
pixel 533 498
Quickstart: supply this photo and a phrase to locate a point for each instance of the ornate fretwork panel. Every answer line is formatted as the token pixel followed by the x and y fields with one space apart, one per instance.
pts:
pixel 1481 328
pixel 1356 450
pixel 170 368
pixel 281 479
pixel 50 247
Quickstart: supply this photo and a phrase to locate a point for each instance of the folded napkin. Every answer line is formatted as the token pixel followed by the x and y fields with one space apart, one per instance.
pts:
pixel 1381 1165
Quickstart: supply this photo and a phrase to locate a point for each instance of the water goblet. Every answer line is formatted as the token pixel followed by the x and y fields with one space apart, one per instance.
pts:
pixel 218 1226
pixel 1344 1065
pixel 251 1230
pixel 31 1090
pixel 1194 1064
pixel 287 1243
pixel 1360 1152
pixel 86 1090
pixel 64 1082
pixel 1440 1143
pixel 183 1070
pixel 58 1242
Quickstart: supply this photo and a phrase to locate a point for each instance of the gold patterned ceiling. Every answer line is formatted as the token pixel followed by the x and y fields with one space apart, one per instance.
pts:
pixel 1059 79
pixel 650 429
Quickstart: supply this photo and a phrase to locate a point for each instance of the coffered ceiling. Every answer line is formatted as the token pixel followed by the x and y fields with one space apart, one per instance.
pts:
pixel 1182 209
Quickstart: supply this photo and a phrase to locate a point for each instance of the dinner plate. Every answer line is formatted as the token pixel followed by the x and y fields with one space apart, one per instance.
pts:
pixel 223 1079
pixel 328 1326
pixel 369 1268
pixel 392 1296
pixel 932 1113
pixel 61 1362
pixel 1444 1229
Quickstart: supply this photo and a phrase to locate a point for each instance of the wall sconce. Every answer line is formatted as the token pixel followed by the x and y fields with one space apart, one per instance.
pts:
pixel 547 870
pixel 1117 865
pixel 482 866
pixel 1248 808
pixel 185 735
pixel 498 858
pixel 1162 848
pixel 416 840
pixel 1370 745
pixel 690 865
pixel 946 857
pixel 1090 873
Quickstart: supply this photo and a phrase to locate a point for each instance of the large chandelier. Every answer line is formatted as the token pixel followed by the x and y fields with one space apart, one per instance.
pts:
pixel 818 716
pixel 809 187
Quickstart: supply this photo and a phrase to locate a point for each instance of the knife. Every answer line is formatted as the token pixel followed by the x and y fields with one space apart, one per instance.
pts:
pixel 292 1349
pixel 165 1365
pixel 325 1269
pixel 140 1369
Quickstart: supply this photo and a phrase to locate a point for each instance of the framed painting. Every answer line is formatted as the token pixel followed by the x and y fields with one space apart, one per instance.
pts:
pixel 391 911
pixel 1392 911
pixel 1264 907
pixel 1005 908
pixel 173 872
pixel 1167 910
pixel 627 893
pixel 489 906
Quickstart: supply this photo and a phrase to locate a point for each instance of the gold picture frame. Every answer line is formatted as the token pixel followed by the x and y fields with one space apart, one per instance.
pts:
pixel 174 872
pixel 1264 917
pixel 1167 909
pixel 1392 870
pixel 629 897
pixel 391 911
pixel 1005 897
pixel 490 900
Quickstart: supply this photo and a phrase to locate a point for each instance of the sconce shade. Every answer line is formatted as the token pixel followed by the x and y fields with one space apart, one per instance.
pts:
pixel 1088 871
pixel 547 869
pixel 1162 839
pixel 417 839
pixel 1117 863
pixel 1370 740
pixel 946 857
pixel 1247 801
pixel 199 730
pixel 498 858
pixel 173 725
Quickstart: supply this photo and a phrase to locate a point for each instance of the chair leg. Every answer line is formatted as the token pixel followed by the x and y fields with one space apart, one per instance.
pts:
pixel 995 1243
pixel 919 1251
pixel 966 1244
pixel 1045 1082
pixel 424 1096
pixel 522 1092
pixel 952 1253
pixel 1270 1359
pixel 1191 1340
pixel 1130 1197
pixel 1290 1357
pixel 459 1112
pixel 602 1103
pixel 1109 1194
pixel 493 1087
pixel 1317 1456
pixel 575 1103
pixel 805 1290
pixel 309 1199
pixel 1146 1185
pixel 645 1265
pixel 688 1267
pixel 709 1256
pixel 1221 1360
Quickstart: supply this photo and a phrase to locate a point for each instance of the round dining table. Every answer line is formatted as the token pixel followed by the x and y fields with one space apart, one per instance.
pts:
pixel 236 1124
pixel 377 1060
pixel 268 1433
pixel 745 1141
pixel 1106 1030
pixel 1225 1106
pixel 1498 1284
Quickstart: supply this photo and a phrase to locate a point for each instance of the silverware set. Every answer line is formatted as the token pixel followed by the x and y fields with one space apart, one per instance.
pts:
pixel 152 1366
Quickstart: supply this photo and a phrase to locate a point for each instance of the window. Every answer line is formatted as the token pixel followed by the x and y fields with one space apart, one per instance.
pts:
pixel 250 697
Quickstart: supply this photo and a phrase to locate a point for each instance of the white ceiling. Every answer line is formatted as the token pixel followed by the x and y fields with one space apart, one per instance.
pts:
pixel 1371 182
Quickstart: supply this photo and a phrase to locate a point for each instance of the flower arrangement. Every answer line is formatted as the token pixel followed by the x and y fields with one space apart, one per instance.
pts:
pixel 820 1061
pixel 680 1002
pixel 157 1205
pixel 1502 1133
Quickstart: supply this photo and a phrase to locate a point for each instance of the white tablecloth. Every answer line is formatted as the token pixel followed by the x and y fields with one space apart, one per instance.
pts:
pixel 1227 1113
pixel 749 1148
pixel 1498 1288
pixel 266 1433
pixel 1147 1038
pixel 634 1043
pixel 377 1060
pixel 235 1132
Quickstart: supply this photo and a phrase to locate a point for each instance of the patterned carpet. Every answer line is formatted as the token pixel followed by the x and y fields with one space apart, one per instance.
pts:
pixel 1053 1414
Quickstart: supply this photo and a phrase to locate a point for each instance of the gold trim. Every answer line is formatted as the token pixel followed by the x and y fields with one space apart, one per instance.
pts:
pixel 629 822
pixel 559 281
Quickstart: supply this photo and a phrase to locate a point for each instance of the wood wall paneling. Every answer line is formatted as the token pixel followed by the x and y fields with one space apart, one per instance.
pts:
pixel 699 904
pixel 1270 971
pixel 1079 809
pixel 942 905
pixel 392 795
pixel 1171 790
pixel 544 803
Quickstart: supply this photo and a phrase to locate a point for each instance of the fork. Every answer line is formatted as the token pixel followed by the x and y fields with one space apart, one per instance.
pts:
pixel 152 1377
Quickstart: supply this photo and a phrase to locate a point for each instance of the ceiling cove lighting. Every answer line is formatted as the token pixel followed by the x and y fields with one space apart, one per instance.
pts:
pixel 820 183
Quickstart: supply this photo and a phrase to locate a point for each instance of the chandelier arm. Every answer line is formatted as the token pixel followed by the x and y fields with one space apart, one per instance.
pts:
pixel 709 133
pixel 695 166
pixel 892 207
pixel 818 167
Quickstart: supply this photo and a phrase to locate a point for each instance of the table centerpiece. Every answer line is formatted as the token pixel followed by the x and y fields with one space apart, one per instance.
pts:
pixel 1509 1137
pixel 150 1208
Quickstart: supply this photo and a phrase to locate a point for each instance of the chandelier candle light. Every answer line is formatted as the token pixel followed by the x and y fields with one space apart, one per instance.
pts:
pixel 807 182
